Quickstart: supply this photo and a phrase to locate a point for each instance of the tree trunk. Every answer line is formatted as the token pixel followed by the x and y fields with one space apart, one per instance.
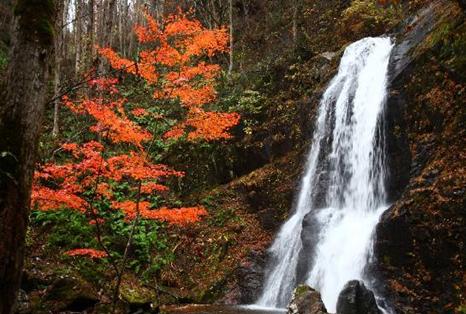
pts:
pixel 160 11
pixel 78 36
pixel 121 16
pixel 295 23
pixel 230 10
pixel 91 30
pixel 108 32
pixel 20 120
pixel 60 21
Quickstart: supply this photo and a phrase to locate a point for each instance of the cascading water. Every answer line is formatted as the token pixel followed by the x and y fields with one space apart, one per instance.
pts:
pixel 342 190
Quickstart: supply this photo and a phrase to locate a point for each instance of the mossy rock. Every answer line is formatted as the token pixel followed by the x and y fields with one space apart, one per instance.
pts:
pixel 301 290
pixel 306 300
pixel 69 294
pixel 137 295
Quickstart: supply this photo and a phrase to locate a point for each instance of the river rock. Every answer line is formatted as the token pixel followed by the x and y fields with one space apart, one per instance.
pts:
pixel 355 298
pixel 306 300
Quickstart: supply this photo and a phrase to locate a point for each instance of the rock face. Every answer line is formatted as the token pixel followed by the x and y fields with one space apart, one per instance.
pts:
pixel 355 298
pixel 250 278
pixel 306 300
pixel 419 244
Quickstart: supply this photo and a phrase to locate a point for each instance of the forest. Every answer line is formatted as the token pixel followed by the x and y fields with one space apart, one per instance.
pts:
pixel 232 156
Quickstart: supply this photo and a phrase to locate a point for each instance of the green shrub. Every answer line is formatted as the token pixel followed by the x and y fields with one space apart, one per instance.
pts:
pixel 69 229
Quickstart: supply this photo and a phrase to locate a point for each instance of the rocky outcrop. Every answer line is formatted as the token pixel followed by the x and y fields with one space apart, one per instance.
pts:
pixel 306 300
pixel 355 298
pixel 420 239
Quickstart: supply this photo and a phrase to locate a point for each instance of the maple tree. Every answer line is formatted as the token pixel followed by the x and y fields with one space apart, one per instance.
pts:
pixel 174 67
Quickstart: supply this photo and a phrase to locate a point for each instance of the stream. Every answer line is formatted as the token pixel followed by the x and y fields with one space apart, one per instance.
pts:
pixel 222 309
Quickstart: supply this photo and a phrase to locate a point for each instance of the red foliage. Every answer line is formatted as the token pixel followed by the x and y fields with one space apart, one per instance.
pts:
pixel 111 120
pixel 176 216
pixel 86 252
pixel 178 46
pixel 88 167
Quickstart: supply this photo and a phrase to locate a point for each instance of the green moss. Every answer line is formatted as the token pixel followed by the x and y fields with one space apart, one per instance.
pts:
pixel 368 16
pixel 448 41
pixel 3 56
pixel 137 295
pixel 301 290
pixel 453 49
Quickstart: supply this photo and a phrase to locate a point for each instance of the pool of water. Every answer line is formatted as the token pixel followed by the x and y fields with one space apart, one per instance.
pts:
pixel 222 309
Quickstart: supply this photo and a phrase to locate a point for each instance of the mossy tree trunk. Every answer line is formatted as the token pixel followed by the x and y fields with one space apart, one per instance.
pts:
pixel 20 120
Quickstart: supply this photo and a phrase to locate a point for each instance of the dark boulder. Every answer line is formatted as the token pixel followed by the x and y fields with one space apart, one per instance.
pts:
pixel 32 279
pixel 248 280
pixel 355 298
pixel 309 238
pixel 250 277
pixel 306 300
pixel 70 294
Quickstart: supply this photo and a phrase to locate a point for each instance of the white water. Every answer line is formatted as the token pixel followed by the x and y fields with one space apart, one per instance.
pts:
pixel 346 149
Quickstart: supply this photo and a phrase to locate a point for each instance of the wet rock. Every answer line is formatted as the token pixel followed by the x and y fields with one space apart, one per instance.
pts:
pixel 394 238
pixel 250 277
pixel 398 158
pixel 418 27
pixel 321 66
pixel 248 280
pixel 306 300
pixel 309 238
pixel 355 298
pixel 70 294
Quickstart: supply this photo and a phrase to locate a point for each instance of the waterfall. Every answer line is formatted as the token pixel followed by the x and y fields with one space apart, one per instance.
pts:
pixel 342 193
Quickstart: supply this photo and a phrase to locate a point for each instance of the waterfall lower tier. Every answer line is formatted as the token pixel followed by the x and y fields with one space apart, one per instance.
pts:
pixel 328 239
